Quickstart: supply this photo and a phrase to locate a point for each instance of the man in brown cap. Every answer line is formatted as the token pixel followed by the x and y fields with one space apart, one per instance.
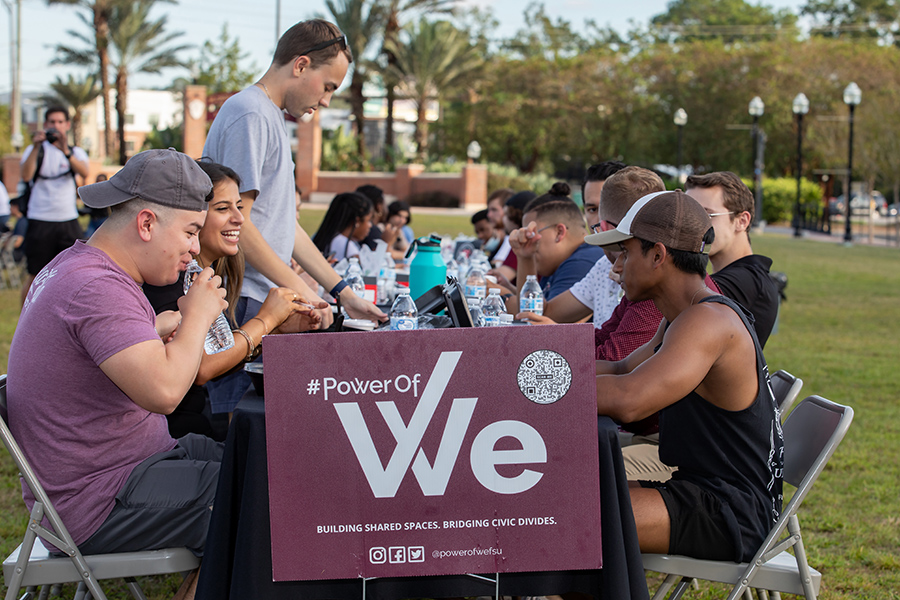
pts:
pixel 92 370
pixel 718 422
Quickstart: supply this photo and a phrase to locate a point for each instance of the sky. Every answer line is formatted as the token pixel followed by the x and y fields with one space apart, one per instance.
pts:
pixel 254 24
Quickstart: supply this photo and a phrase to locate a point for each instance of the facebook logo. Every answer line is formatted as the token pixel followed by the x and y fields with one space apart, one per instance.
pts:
pixel 397 554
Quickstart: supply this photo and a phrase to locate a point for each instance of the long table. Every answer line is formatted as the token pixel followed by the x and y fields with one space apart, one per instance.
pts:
pixel 238 560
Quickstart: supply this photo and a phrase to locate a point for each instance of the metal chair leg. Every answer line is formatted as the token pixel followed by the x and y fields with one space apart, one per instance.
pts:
pixel 135 588
pixel 681 588
pixel 665 586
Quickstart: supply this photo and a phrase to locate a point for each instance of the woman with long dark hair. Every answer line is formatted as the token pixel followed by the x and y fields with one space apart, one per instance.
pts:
pixel 219 248
pixel 345 225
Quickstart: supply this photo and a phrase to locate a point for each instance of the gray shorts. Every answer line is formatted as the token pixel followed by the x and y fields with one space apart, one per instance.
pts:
pixel 166 502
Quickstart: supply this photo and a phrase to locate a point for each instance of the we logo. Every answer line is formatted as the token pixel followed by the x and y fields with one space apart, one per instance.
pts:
pixel 434 477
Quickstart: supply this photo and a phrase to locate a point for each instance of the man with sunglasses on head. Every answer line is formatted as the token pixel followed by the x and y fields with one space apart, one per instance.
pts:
pixel 249 136
pixel 742 275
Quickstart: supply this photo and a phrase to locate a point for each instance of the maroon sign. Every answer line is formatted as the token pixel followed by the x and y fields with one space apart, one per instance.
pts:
pixel 432 452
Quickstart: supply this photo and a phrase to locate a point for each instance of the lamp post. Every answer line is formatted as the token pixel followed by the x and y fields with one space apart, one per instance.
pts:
pixel 680 121
pixel 800 108
pixel 473 151
pixel 852 97
pixel 757 108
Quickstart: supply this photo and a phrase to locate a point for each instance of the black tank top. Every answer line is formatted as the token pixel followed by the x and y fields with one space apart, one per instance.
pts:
pixel 738 456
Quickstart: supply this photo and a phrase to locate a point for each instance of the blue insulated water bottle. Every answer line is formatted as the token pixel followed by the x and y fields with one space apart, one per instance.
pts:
pixel 427 268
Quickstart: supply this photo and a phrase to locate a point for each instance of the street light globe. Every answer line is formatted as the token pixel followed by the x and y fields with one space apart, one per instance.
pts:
pixel 852 94
pixel 680 117
pixel 801 104
pixel 757 107
pixel 473 151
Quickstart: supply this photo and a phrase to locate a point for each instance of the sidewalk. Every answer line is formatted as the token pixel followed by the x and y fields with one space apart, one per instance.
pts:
pixel 881 236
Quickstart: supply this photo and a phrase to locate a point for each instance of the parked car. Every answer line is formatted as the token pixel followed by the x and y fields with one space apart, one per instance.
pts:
pixel 860 204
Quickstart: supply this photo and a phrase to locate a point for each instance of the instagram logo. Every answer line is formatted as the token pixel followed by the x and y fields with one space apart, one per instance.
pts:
pixel 377 555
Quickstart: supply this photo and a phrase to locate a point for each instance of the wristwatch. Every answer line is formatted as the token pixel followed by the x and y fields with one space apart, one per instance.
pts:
pixel 69 155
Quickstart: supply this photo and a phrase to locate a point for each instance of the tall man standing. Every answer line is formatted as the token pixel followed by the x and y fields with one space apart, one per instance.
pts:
pixel 52 214
pixel 249 135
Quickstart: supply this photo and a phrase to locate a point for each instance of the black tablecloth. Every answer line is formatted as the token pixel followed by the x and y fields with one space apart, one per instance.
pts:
pixel 238 561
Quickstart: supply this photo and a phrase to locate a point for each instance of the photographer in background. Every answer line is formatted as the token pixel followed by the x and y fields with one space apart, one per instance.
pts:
pixel 50 165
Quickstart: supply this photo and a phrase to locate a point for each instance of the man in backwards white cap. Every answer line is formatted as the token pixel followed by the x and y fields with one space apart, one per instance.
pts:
pixel 718 421
pixel 92 370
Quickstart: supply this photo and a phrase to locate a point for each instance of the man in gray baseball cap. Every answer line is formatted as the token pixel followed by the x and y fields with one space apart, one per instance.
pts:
pixel 90 356
pixel 706 374
pixel 165 177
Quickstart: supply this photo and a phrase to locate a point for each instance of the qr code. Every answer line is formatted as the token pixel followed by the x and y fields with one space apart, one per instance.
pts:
pixel 544 376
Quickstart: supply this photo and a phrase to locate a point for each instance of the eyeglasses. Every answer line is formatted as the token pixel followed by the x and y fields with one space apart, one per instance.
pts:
pixel 598 227
pixel 711 215
pixel 340 39
pixel 545 227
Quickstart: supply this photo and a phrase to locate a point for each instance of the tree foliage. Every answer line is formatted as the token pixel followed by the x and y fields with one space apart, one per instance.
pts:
pixel 877 20
pixel 219 66
pixel 139 44
pixel 74 93
pixel 727 20
pixel 433 58
pixel 362 21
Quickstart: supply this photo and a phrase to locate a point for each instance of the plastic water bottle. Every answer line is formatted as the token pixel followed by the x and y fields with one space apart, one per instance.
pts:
pixel 493 307
pixel 404 315
pixel 480 258
pixel 219 337
pixel 354 278
pixel 384 283
pixel 476 284
pixel 532 298
pixel 475 312
pixel 462 262
pixel 452 269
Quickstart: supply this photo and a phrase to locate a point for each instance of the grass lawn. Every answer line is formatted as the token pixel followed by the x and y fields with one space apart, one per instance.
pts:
pixel 838 331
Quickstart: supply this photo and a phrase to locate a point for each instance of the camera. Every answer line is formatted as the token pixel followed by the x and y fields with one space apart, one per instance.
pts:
pixel 52 135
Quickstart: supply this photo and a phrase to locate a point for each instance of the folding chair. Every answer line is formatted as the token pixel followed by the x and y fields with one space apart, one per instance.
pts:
pixel 31 565
pixel 13 271
pixel 4 239
pixel 786 388
pixel 811 434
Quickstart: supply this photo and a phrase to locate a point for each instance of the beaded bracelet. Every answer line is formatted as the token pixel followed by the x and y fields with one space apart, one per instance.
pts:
pixel 250 345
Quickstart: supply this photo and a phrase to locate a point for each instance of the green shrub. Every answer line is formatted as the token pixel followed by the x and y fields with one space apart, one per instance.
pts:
pixel 505 176
pixel 339 151
pixel 780 197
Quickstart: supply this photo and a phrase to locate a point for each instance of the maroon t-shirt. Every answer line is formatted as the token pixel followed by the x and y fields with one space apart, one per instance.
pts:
pixel 81 433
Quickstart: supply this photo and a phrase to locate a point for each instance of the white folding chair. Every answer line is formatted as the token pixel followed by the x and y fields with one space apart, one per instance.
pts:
pixel 812 432
pixel 786 388
pixel 31 565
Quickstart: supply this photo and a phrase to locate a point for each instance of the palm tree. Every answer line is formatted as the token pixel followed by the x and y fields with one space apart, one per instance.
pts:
pixel 96 18
pixel 435 58
pixel 360 21
pixel 395 10
pixel 76 93
pixel 139 45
